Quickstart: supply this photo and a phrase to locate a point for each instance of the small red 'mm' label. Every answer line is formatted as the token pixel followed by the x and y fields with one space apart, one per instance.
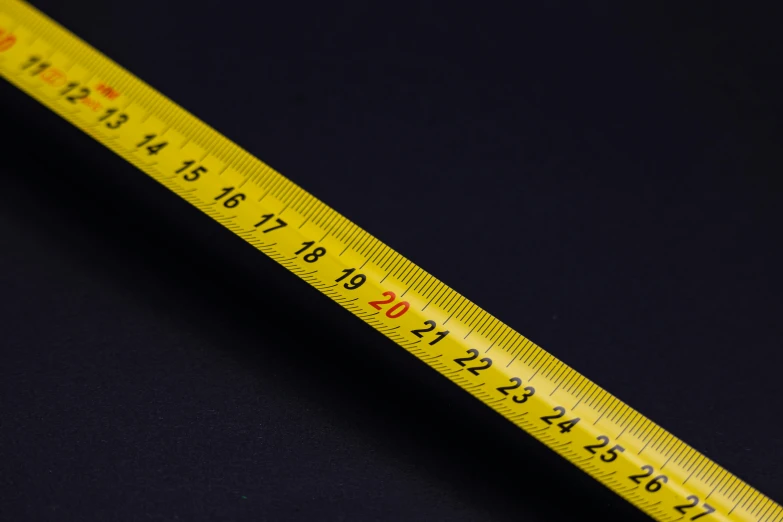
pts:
pixel 94 105
pixel 107 91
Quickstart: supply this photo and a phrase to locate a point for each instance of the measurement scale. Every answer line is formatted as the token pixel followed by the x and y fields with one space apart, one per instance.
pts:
pixel 599 434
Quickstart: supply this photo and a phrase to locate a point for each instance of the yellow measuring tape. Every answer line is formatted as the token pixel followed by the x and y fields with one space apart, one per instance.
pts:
pixel 616 445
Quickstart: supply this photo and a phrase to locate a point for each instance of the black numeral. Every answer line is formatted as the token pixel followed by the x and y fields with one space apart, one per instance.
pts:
pixel 475 369
pixel 108 113
pixel 355 282
pixel 521 399
pixel 30 62
pixel 440 336
pixel 653 485
pixel 152 149
pixel 82 94
pixel 233 201
pixel 549 418
pixel 648 471
pixel 610 454
pixel 69 87
pixel 121 118
pixel 564 426
pixel 41 67
pixel 517 382
pixel 267 217
pixel 593 447
pixel 694 501
pixel 313 256
pixel 473 355
pixel 194 174
pixel 419 332
pixel 36 70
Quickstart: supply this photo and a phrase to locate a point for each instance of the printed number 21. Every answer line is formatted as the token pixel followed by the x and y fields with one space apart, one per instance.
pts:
pixel 431 325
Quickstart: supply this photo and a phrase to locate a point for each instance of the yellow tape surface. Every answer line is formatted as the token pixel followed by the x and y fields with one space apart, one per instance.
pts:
pixel 616 445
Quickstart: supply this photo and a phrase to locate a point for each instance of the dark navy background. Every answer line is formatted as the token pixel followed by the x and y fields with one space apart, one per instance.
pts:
pixel 603 179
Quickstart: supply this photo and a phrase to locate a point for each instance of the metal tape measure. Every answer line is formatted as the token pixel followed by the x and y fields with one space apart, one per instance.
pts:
pixel 616 445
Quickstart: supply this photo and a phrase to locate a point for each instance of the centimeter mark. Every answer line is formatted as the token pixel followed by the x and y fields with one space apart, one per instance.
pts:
pixel 369 279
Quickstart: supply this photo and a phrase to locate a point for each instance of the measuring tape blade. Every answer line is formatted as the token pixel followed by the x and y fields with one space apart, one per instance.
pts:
pixel 616 445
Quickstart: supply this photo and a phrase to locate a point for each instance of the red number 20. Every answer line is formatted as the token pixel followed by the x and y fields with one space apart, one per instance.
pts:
pixel 6 41
pixel 395 311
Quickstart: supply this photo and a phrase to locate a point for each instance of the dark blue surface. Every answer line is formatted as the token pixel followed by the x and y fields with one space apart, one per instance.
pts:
pixel 604 181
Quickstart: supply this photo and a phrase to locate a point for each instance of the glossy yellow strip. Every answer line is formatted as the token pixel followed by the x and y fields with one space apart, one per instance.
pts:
pixel 637 459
